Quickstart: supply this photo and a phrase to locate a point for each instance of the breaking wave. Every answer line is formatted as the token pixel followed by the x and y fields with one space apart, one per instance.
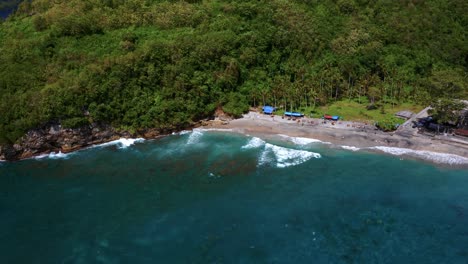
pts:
pixel 303 141
pixel 121 143
pixel 255 142
pixel 352 148
pixel 285 157
pixel 436 157
pixel 184 132
pixel 423 154
pixel 281 157
pixel 194 137
pixel 54 155
pixel 197 133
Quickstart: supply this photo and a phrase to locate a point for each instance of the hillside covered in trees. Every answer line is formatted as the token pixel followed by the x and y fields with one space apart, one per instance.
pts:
pixel 163 64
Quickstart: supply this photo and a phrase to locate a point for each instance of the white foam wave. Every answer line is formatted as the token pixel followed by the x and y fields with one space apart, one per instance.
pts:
pixel 423 154
pixel 194 137
pixel 54 155
pixel 285 157
pixel 196 133
pixel 121 143
pixel 184 132
pixel 58 155
pixel 127 142
pixel 255 142
pixel 303 141
pixel 352 148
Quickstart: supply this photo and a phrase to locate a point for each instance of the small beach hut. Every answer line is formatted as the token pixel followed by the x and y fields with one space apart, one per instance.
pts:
pixel 268 109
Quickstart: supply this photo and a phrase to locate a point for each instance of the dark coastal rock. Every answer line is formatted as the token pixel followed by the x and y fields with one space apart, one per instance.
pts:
pixel 8 152
pixel 54 138
pixel 150 133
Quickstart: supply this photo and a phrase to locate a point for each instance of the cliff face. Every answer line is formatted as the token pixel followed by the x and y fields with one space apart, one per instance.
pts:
pixel 54 138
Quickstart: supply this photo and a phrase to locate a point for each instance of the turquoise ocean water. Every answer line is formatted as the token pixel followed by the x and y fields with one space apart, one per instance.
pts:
pixel 218 197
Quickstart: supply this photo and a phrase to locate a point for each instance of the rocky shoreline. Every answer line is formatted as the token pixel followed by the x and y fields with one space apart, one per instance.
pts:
pixel 54 138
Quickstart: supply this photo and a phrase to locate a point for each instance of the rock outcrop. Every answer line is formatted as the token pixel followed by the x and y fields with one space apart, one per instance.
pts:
pixel 54 138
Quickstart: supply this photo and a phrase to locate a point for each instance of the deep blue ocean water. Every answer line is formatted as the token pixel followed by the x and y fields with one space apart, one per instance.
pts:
pixel 216 197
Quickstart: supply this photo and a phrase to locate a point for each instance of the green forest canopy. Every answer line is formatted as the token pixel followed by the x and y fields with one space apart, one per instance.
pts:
pixel 163 64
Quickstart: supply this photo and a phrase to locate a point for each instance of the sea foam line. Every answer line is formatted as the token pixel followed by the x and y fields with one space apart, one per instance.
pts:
pixel 302 141
pixel 197 133
pixel 54 155
pixel 254 142
pixel 285 157
pixel 194 137
pixel 121 143
pixel 184 132
pixel 352 148
pixel 436 157
pixel 282 157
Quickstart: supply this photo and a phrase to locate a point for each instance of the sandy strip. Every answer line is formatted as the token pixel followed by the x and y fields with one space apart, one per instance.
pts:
pixel 343 133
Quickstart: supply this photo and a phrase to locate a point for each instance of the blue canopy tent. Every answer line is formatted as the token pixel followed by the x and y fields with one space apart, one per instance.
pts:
pixel 268 109
pixel 293 114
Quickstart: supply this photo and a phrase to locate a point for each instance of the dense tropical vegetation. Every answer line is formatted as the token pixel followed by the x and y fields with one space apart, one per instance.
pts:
pixel 163 64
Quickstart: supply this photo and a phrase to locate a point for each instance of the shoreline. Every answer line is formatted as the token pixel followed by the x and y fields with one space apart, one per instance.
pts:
pixel 53 139
pixel 347 135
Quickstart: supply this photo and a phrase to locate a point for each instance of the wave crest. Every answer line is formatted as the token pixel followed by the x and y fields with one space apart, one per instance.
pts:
pixel 302 141
pixel 255 142
pixel 183 132
pixel 285 157
pixel 121 143
pixel 194 137
pixel 352 148
pixel 54 155
pixel 436 157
